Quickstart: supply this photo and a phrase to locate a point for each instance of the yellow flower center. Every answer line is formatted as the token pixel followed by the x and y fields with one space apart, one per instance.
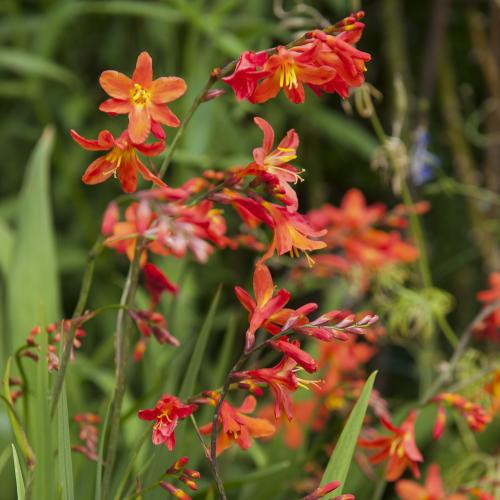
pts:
pixel 139 95
pixel 117 156
pixel 288 76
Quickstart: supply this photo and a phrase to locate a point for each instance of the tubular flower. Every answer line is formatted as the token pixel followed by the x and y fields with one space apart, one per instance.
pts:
pixel 238 427
pixel 321 491
pixel 156 283
pixel 400 449
pixel 476 416
pixel 432 489
pixel 121 161
pixel 281 379
pixel 166 413
pixel 272 165
pixel 289 70
pixel 346 62
pixel 142 98
pixel 489 329
pixel 292 233
pixel 88 435
pixel 265 304
pixel 247 74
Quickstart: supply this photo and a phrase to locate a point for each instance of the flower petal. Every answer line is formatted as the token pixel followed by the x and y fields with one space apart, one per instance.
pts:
pixel 143 73
pixel 268 132
pixel 104 141
pixel 139 124
pixel 116 84
pixel 162 114
pixel 267 89
pixel 115 106
pixel 98 171
pixel 127 173
pixel 148 175
pixel 167 89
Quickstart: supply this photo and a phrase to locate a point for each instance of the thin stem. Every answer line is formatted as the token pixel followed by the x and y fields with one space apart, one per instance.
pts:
pixel 457 354
pixel 122 348
pixel 79 309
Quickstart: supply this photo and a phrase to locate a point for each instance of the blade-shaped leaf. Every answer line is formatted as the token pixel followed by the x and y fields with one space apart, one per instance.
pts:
pixel 64 448
pixel 19 475
pixel 340 461
pixel 33 285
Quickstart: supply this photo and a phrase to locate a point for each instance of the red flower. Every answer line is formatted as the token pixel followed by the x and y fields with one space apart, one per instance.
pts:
pixel 432 490
pixel 237 427
pixel 400 449
pixel 489 329
pixel 246 75
pixel 156 283
pixel 266 304
pixel 88 434
pixel 166 413
pixel 121 161
pixel 272 166
pixel 288 70
pixel 476 416
pixel 281 379
pixel 142 98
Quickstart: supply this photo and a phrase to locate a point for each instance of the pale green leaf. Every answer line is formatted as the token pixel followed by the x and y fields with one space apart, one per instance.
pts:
pixel 19 475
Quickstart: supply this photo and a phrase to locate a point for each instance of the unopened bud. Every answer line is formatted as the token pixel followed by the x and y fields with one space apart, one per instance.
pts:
pixel 212 94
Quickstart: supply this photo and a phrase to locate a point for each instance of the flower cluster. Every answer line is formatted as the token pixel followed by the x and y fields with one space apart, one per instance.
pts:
pixel 88 434
pixel 324 62
pixel 179 471
pixel 144 101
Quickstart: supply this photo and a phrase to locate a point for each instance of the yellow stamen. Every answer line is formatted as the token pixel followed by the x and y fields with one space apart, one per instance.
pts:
pixel 288 76
pixel 139 95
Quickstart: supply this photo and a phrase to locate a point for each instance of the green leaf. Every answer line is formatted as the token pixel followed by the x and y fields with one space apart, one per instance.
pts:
pixel 30 65
pixel 340 461
pixel 19 475
pixel 189 382
pixel 33 284
pixel 64 447
pixel 7 239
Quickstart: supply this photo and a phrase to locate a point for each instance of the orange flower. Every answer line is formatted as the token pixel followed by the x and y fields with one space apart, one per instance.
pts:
pixel 292 233
pixel 400 449
pixel 432 489
pixel 142 98
pixel 288 70
pixel 493 389
pixel 121 161
pixel 166 413
pixel 237 427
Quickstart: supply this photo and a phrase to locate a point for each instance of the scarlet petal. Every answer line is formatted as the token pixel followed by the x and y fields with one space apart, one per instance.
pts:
pixel 104 141
pixel 139 124
pixel 410 490
pixel 267 89
pixel 98 171
pixel 262 284
pixel 116 84
pixel 148 175
pixel 143 74
pixel 153 149
pixel 167 89
pixel 127 173
pixel 268 132
pixel 162 114
pixel 115 106
pixel 147 414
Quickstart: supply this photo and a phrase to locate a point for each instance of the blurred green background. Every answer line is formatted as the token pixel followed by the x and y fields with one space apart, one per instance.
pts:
pixel 51 55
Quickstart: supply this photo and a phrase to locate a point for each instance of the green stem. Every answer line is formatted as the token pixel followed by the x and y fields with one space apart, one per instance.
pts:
pixel 122 348
pixel 79 309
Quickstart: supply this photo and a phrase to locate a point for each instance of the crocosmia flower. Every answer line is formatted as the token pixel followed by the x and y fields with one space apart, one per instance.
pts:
pixel 121 161
pixel 237 427
pixel 166 414
pixel 247 73
pixel 142 98
pixel 399 449
pixel 289 70
pixel 432 489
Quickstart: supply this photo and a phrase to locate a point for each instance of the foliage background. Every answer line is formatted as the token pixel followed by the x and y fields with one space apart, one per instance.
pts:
pixel 51 53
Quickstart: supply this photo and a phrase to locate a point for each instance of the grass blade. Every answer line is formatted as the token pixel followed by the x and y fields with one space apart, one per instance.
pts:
pixel 64 446
pixel 340 461
pixel 19 475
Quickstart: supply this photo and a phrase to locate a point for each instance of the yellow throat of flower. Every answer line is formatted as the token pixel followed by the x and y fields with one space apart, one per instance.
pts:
pixel 139 95
pixel 288 76
pixel 118 156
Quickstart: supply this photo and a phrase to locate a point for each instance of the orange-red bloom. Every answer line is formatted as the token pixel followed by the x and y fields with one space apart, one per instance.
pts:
pixel 156 283
pixel 88 435
pixel 493 389
pixel 432 489
pixel 122 160
pixel 142 98
pixel 237 427
pixel 489 329
pixel 166 413
pixel 266 304
pixel 400 449
pixel 247 74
